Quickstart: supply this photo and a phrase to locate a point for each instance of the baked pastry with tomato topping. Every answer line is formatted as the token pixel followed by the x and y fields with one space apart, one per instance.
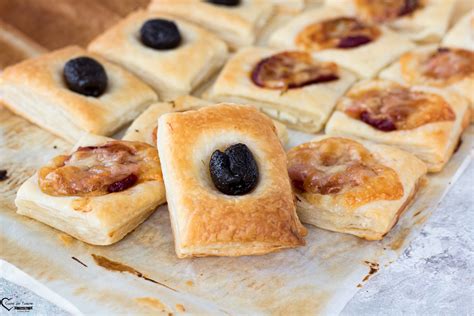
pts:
pixel 173 56
pixel 330 34
pixel 227 188
pixel 237 22
pixel 99 192
pixel 441 67
pixel 353 186
pixel 145 127
pixel 71 91
pixel 424 121
pixel 419 20
pixel 461 35
pixel 290 86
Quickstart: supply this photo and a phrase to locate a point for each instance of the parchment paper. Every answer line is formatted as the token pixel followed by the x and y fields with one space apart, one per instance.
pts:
pixel 141 273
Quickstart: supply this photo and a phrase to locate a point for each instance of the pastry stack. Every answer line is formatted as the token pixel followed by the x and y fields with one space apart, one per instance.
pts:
pixel 387 88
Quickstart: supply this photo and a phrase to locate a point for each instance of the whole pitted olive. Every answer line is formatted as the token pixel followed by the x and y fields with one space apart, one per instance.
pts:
pixel 228 3
pixel 235 171
pixel 86 76
pixel 160 34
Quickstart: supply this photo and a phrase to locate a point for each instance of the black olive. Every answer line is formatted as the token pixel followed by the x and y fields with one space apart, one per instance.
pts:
pixel 235 171
pixel 160 34
pixel 228 3
pixel 86 76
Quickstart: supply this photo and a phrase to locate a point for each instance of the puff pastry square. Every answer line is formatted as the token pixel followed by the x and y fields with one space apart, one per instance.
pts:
pixel 36 90
pixel 364 60
pixel 95 219
pixel 426 22
pixel 427 66
pixel 353 186
pixel 171 72
pixel 305 108
pixel 207 222
pixel 144 128
pixel 432 120
pixel 236 25
pixel 461 35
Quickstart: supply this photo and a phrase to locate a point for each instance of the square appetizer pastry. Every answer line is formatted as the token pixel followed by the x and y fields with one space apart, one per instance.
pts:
pixel 226 183
pixel 71 91
pixel 331 35
pixel 441 67
pixel 98 193
pixel 144 128
pixel 237 22
pixel 461 35
pixel 425 121
pixel 419 20
pixel 290 86
pixel 171 55
pixel 353 186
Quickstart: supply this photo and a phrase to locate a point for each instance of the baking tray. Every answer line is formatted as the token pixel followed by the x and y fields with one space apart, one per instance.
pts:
pixel 141 274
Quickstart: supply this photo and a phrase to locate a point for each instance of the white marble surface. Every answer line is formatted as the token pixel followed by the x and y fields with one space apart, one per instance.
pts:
pixel 434 276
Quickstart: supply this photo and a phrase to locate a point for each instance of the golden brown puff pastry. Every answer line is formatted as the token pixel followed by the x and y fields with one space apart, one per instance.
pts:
pixel 461 35
pixel 36 89
pixel 418 20
pixel 15 46
pixel 227 195
pixel 171 72
pixel 144 128
pixel 353 186
pixel 441 67
pixel 331 35
pixel 289 86
pixel 99 193
pixel 236 25
pixel 424 121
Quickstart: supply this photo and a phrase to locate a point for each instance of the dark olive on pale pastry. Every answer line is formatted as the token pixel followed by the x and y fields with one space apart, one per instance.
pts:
pixel 160 34
pixel 86 76
pixel 228 3
pixel 290 70
pixel 234 171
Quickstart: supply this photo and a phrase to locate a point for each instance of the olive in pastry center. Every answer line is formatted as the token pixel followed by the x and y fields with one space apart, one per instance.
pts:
pixel 227 3
pixel 86 76
pixel 234 171
pixel 160 34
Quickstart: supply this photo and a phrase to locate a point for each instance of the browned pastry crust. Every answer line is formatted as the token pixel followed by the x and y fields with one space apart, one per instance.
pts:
pixel 353 186
pixel 207 222
pixel 35 89
pixel 99 220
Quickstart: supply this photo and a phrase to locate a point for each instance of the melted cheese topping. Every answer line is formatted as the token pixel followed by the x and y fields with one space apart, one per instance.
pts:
pixel 292 70
pixel 342 168
pixel 98 170
pixel 343 32
pixel 380 11
pixel 442 67
pixel 398 107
